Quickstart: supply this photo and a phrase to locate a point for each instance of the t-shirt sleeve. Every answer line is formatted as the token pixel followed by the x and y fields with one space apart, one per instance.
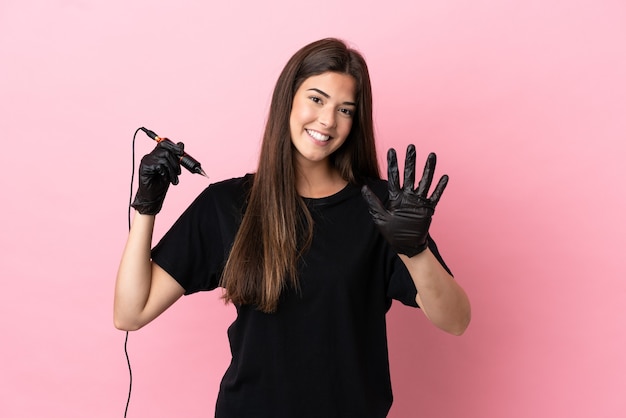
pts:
pixel 195 248
pixel 401 286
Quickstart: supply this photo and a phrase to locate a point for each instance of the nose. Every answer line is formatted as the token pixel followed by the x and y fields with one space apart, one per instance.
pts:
pixel 327 117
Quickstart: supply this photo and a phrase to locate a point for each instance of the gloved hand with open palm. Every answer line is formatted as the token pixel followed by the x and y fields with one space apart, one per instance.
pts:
pixel 405 221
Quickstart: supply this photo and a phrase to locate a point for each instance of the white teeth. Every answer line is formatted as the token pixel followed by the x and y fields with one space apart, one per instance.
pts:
pixel 318 135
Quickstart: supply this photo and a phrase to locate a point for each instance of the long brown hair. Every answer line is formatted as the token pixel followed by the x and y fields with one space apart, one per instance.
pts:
pixel 277 226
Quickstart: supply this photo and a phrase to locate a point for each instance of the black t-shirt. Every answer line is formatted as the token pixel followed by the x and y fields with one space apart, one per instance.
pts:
pixel 323 353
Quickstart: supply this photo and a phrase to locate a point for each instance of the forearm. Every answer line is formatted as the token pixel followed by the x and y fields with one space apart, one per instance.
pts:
pixel 132 287
pixel 440 297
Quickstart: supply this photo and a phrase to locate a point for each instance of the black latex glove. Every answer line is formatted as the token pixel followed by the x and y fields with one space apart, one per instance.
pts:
pixel 405 221
pixel 157 170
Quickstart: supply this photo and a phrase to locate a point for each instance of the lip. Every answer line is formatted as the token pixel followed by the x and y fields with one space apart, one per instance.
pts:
pixel 317 140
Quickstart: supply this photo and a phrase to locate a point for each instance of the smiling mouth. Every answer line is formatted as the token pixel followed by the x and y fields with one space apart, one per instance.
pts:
pixel 318 136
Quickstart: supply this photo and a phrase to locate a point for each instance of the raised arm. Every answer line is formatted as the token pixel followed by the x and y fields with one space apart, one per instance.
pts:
pixel 405 223
pixel 143 290
pixel 440 297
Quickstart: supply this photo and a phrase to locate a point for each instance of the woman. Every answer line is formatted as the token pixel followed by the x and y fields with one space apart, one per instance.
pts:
pixel 304 248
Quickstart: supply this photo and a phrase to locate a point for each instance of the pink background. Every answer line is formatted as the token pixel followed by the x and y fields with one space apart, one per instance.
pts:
pixel 524 102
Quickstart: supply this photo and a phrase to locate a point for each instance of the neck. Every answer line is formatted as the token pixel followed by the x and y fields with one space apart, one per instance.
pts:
pixel 320 180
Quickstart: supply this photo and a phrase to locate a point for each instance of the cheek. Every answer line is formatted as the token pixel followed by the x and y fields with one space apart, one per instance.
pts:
pixel 346 127
pixel 300 113
pixel 293 120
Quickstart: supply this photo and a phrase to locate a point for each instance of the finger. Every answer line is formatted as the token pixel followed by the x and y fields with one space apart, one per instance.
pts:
pixel 174 179
pixel 176 149
pixel 159 168
pixel 443 182
pixel 181 155
pixel 375 205
pixel 170 158
pixel 165 164
pixel 171 164
pixel 427 175
pixel 409 168
pixel 170 171
pixel 392 173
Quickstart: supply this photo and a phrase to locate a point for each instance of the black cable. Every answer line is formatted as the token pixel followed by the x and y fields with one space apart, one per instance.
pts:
pixel 130 199
pixel 132 178
pixel 130 374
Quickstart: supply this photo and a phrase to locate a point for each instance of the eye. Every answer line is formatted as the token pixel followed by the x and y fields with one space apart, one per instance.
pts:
pixel 346 111
pixel 315 99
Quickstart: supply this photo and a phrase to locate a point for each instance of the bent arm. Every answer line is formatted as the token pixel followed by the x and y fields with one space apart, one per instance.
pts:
pixel 143 290
pixel 439 296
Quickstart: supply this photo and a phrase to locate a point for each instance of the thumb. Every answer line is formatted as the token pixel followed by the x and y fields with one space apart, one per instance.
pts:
pixel 375 205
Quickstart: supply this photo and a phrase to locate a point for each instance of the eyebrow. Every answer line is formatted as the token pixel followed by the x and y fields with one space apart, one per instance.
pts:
pixel 328 96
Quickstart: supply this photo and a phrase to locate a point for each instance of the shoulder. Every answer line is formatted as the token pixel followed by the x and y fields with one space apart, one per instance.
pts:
pixel 234 189
pixel 225 196
pixel 232 186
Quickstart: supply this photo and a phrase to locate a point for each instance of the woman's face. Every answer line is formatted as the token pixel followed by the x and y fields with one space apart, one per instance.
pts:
pixel 321 116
